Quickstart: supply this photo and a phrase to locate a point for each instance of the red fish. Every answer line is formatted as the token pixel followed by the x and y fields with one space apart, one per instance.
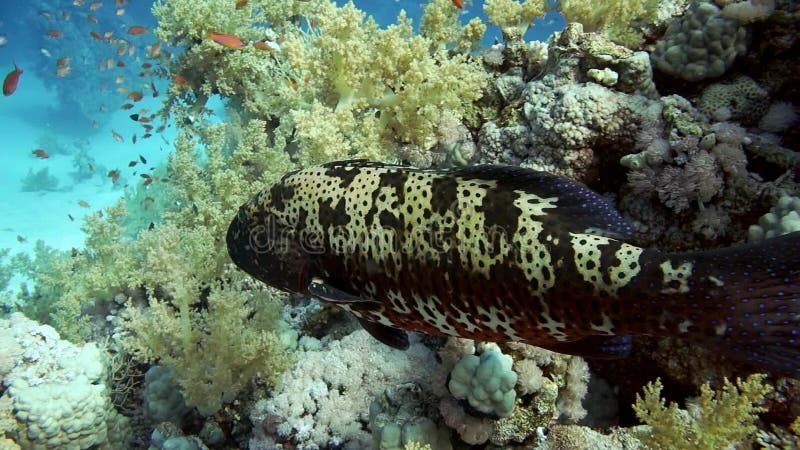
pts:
pixel 226 40
pixel 11 81
pixel 40 153
pixel 55 34
pixel 137 30
pixel 459 4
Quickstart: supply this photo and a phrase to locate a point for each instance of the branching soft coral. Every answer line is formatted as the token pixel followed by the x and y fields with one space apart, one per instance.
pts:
pixel 513 17
pixel 718 419
pixel 215 351
pixel 614 18
pixel 404 80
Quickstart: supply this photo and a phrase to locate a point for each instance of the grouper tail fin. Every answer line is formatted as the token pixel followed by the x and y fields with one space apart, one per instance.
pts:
pixel 743 300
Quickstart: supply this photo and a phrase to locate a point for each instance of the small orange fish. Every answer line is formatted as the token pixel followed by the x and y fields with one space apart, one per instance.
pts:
pixel 137 30
pixel 459 4
pixel 55 34
pixel 63 62
pixel 94 6
pixel 226 40
pixel 40 153
pixel 154 50
pixel 241 3
pixel 179 79
pixel 114 175
pixel 135 96
pixel 96 35
pixel 78 2
pixel 11 81
pixel 63 71
pixel 117 137
pixel 91 18
pixel 83 204
pixel 146 65
pixel 120 63
pixel 261 45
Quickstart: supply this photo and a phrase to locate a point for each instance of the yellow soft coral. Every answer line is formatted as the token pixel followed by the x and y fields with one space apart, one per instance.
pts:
pixel 614 18
pixel 719 419
pixel 513 17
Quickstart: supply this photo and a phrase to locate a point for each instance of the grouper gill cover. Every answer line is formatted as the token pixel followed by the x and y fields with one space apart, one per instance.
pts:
pixel 499 253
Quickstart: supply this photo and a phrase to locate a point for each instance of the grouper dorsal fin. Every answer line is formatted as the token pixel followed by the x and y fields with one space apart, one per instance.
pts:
pixel 579 209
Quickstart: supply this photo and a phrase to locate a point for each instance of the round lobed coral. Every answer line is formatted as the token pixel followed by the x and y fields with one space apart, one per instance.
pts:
pixel 701 44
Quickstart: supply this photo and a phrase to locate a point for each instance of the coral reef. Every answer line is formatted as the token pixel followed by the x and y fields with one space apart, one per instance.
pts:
pixel 691 158
pixel 56 393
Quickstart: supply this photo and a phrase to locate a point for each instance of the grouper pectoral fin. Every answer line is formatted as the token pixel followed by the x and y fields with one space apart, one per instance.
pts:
pixel 598 347
pixel 325 292
pixel 390 336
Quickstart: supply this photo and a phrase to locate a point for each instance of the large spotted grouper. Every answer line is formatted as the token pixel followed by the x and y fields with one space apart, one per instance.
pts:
pixel 500 253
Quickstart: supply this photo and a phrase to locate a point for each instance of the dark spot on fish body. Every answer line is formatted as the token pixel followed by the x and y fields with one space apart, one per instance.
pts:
pixel 332 216
pixel 390 220
pixel 345 174
pixel 278 194
pixel 500 213
pixel 444 195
